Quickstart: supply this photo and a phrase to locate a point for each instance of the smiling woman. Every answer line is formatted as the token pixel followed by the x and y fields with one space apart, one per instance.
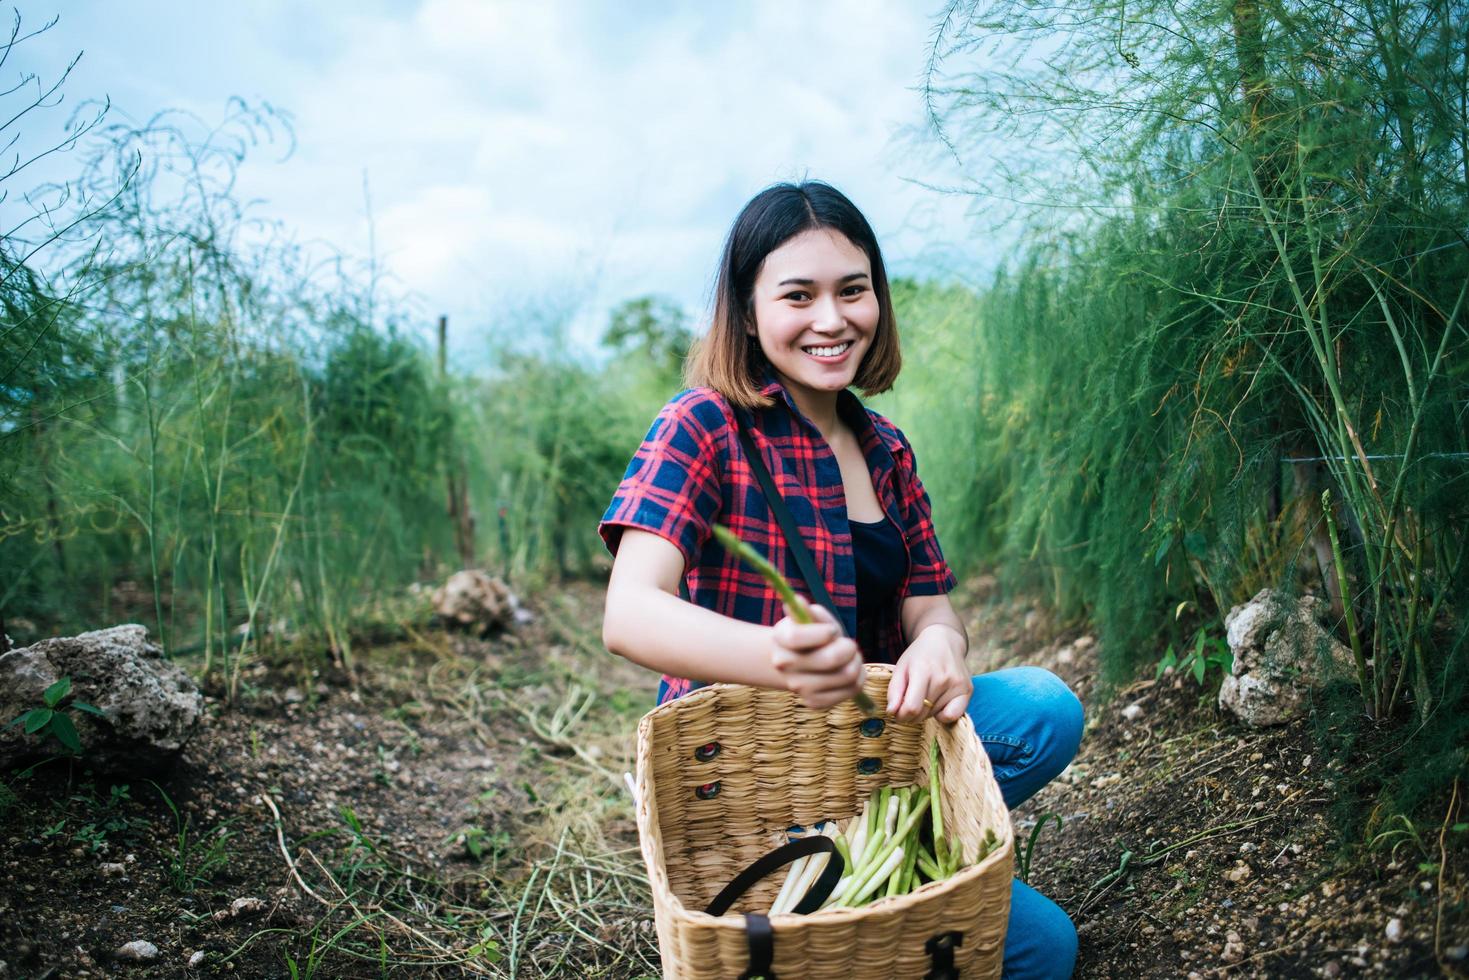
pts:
pixel 802 313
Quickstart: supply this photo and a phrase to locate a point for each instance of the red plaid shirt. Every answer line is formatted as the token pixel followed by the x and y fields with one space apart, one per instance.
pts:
pixel 691 472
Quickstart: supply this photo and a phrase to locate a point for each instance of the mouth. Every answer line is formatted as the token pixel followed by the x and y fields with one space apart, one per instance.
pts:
pixel 833 352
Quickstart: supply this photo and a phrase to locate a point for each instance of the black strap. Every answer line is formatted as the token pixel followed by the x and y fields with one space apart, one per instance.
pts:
pixel 815 584
pixel 941 951
pixel 762 947
pixel 781 856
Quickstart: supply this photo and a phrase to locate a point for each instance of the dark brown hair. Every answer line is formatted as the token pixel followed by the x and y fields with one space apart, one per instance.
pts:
pixel 728 359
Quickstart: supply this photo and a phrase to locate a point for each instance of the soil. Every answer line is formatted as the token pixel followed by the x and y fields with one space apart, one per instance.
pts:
pixel 456 808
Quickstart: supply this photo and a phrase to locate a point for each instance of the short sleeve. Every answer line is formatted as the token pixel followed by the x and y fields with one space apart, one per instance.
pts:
pixel 672 485
pixel 928 572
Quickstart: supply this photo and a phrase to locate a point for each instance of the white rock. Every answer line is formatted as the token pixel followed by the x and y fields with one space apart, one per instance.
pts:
pixel 138 951
pixel 1394 930
pixel 473 599
pixel 197 958
pixel 247 906
pixel 150 705
pixel 1238 873
pixel 1133 711
pixel 113 869
pixel 1280 653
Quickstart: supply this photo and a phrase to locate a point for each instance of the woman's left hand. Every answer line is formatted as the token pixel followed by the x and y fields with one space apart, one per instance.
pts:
pixel 932 668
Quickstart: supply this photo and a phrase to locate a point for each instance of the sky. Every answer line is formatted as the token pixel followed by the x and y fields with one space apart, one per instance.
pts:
pixel 554 155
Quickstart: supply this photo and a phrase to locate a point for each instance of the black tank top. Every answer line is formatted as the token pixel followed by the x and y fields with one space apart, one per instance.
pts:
pixel 882 561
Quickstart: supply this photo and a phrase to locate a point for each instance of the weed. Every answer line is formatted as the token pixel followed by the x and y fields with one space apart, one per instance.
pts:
pixel 194 859
pixel 1023 859
pixel 50 719
pixel 477 842
pixel 1208 651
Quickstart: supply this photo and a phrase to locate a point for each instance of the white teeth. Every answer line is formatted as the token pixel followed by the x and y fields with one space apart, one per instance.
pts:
pixel 827 351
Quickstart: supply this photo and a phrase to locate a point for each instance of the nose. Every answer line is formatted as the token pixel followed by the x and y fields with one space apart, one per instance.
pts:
pixel 826 316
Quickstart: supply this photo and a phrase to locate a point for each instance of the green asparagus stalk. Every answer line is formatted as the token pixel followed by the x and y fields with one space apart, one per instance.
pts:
pixel 799 611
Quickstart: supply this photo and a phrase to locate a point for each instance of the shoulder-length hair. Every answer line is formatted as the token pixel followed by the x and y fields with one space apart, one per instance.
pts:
pixel 728 359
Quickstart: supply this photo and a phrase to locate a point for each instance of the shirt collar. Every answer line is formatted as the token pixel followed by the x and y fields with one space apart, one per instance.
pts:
pixel 849 407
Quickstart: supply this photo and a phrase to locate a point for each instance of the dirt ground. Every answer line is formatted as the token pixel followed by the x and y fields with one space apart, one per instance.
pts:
pixel 459 811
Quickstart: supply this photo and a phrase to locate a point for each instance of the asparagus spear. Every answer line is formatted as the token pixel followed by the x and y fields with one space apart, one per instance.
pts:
pixel 799 612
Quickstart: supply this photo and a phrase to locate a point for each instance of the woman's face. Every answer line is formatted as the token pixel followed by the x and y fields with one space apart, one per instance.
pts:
pixel 815 311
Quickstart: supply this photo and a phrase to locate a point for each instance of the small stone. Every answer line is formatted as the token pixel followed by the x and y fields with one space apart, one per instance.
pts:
pixel 1233 952
pixel 1394 930
pixel 1248 846
pixel 247 906
pixel 1239 873
pixel 196 958
pixel 113 869
pixel 1331 969
pixel 1458 953
pixel 1133 711
pixel 137 951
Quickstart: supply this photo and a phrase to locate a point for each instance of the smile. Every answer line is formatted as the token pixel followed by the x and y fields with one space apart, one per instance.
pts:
pixel 836 351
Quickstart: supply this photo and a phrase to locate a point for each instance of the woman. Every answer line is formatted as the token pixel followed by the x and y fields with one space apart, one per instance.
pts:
pixel 802 312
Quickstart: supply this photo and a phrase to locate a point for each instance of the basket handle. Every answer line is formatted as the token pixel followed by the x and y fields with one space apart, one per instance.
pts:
pixel 781 856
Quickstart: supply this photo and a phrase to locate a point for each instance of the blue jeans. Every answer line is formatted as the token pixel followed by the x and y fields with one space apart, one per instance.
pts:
pixel 1030 724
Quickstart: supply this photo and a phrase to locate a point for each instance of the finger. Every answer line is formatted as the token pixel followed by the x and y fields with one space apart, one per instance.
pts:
pixel 803 636
pixel 954 708
pixel 820 613
pixel 897 685
pixel 846 677
pixel 913 707
pixel 838 655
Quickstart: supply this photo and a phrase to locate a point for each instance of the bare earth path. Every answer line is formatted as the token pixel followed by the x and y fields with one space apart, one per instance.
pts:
pixel 459 813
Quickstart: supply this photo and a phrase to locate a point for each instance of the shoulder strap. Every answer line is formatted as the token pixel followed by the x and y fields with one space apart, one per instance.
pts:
pixel 815 585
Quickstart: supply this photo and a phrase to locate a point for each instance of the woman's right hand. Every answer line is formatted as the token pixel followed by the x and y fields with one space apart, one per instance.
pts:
pixel 820 665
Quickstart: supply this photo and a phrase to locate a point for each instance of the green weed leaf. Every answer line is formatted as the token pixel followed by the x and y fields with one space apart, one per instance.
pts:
pixel 1170 659
pixel 88 708
pixel 57 691
pixel 37 719
pixel 65 732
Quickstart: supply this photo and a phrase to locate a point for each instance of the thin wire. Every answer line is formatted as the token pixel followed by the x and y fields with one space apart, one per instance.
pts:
pixel 1349 459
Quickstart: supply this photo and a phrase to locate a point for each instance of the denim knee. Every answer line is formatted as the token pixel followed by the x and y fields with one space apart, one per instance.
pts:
pixel 1055 710
pixel 1059 706
pixel 1030 724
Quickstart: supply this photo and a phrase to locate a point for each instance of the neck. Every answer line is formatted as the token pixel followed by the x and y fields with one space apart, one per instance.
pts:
pixel 820 407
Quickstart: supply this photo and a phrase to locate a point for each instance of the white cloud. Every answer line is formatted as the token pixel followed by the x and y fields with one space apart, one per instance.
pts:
pixel 512 146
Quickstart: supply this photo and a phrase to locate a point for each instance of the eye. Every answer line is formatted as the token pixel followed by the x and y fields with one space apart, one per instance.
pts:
pixel 856 289
pixel 798 295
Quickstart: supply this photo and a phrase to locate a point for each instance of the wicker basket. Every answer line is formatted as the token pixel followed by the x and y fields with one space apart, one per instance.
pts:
pixel 704 814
